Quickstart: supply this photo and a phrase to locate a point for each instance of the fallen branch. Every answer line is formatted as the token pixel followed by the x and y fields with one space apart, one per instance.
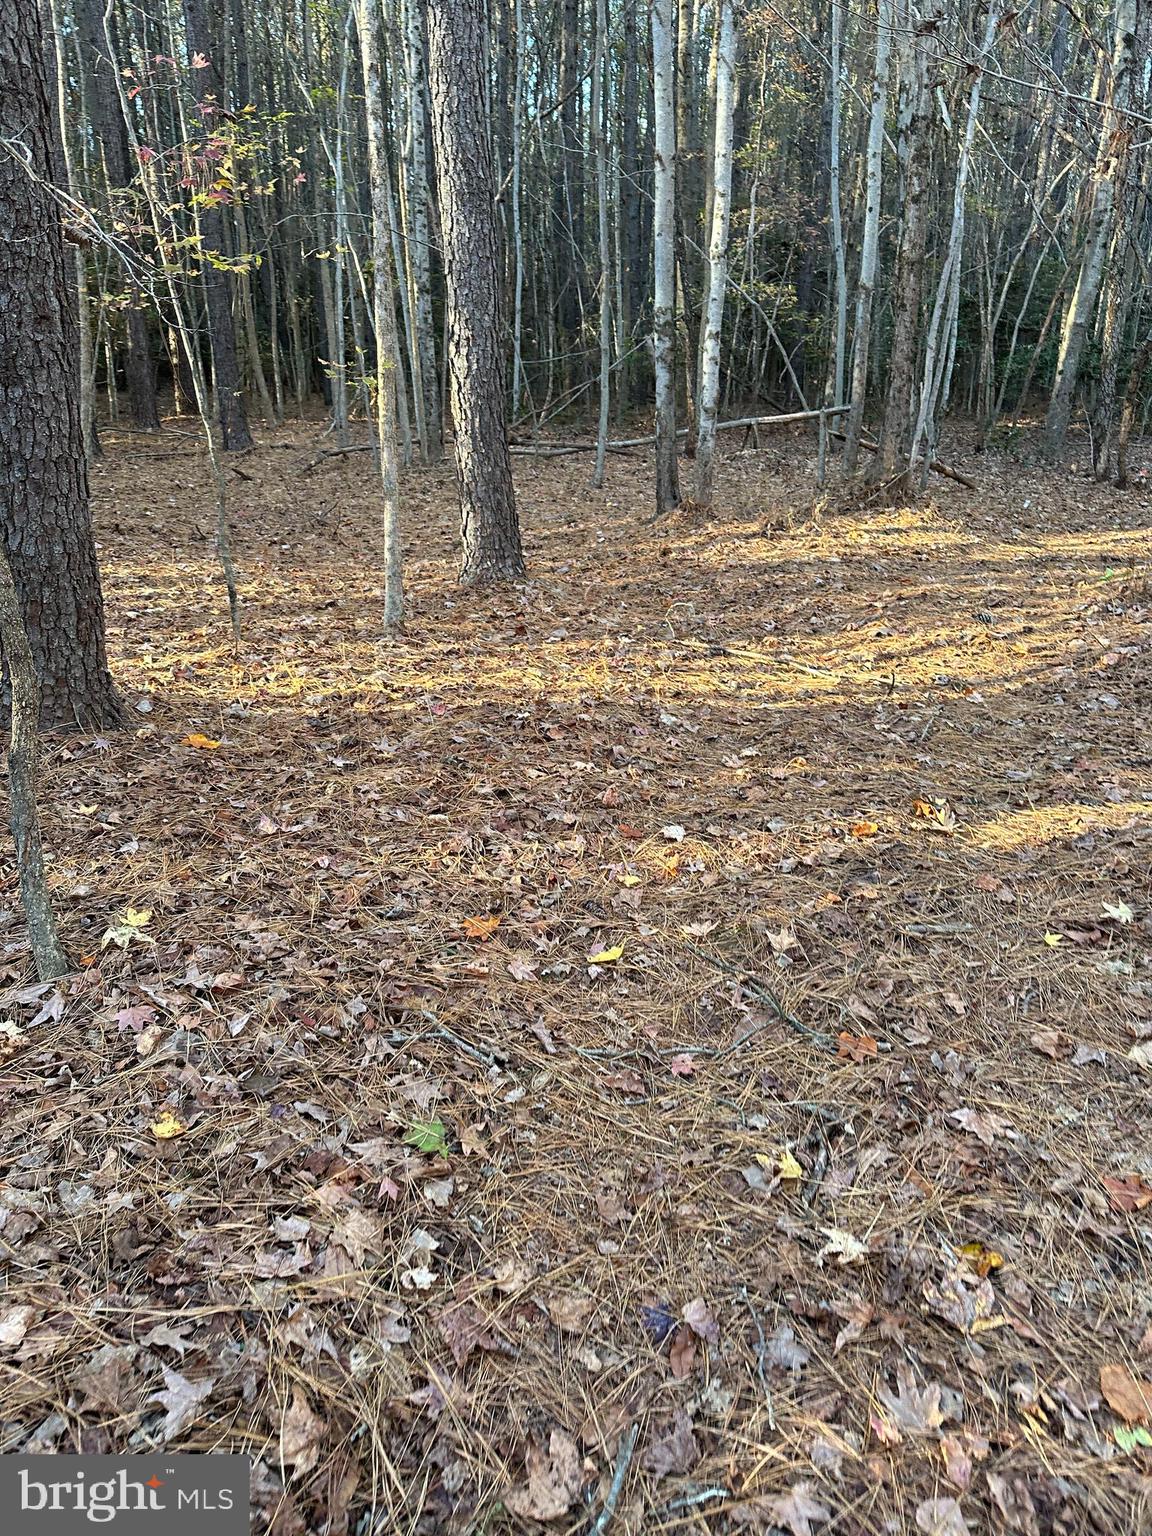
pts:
pixel 643 442
pixel 933 464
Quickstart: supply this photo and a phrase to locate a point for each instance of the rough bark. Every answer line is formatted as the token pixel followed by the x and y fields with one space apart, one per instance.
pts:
pixel 490 530
pixel 43 474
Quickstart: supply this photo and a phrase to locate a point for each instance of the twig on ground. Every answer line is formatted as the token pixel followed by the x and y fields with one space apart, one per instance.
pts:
pixel 761 1351
pixel 623 1462
pixel 763 994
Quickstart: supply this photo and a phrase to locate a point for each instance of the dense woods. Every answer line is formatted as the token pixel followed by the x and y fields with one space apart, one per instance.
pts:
pixel 901 212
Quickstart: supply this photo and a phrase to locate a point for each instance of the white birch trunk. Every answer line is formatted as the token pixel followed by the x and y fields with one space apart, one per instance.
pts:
pixel 870 242
pixel 709 397
pixel 600 118
pixel 664 256
pixel 384 314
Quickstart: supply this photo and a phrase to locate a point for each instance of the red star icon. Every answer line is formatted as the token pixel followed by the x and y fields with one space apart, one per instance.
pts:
pixel 154 1482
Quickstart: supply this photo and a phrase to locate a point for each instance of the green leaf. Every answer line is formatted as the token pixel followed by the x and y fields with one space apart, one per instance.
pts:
pixel 427 1136
pixel 1129 1436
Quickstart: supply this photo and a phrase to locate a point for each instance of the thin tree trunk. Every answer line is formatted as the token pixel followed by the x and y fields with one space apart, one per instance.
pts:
pixel 664 257
pixel 870 243
pixel 600 118
pixel 490 530
pixel 384 313
pixel 721 180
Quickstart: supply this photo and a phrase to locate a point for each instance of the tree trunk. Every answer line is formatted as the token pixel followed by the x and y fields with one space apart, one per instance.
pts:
pixel 46 522
pixel 383 310
pixel 1115 132
pixel 201 39
pixel 664 258
pixel 721 180
pixel 893 461
pixel 870 243
pixel 490 530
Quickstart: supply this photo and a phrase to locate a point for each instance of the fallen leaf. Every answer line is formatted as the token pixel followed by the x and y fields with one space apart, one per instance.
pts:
pixel 300 1433
pixel 14 1324
pixel 784 1351
pixel 481 927
pixel 941 1517
pixel 682 1353
pixel 982 1123
pixel 981 1259
pixel 936 809
pixel 180 1400
pixel 673 833
pixel 864 828
pixel 554 1478
pixel 673 1447
pixel 1122 912
pixel 857 1048
pixel 168 1127
pixel 570 1310
pixel 1128 1194
pixel 682 1065
pixel 912 1409
pixel 797 1509
pixel 787 1167
pixel 842 1246
pixel 204 743
pixel 427 1136
pixel 1053 1042
pixel 1127 1395
pixel 700 1320
pixel 606 956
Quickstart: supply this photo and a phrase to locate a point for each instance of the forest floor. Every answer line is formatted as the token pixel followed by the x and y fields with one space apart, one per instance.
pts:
pixel 705 988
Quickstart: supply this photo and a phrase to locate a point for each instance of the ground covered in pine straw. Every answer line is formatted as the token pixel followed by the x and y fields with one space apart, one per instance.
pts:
pixel 819 1202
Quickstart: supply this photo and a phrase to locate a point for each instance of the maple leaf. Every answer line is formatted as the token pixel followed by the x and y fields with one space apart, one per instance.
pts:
pixel 912 1409
pixel 427 1136
pixel 843 1246
pixel 683 1064
pixel 794 1511
pixel 673 1447
pixel 983 1124
pixel 522 970
pixel 1121 911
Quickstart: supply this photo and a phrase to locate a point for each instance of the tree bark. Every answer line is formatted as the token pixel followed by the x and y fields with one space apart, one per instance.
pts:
pixel 664 258
pixel 43 474
pixel 721 181
pixel 490 529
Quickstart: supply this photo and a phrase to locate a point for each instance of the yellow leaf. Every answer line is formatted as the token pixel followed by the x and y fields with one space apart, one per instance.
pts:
pixel 788 1167
pixel 1053 939
pixel 629 880
pixel 980 1258
pixel 481 927
pixel 87 810
pixel 137 917
pixel 205 743
pixel 606 956
pixel 864 828
pixel 168 1127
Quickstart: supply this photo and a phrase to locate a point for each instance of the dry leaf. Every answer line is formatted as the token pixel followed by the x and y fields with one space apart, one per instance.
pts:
pixel 168 1127
pixel 606 956
pixel 673 1449
pixel 181 1401
pixel 941 1517
pixel 682 1353
pixel 204 743
pixel 856 1048
pixel 554 1479
pixel 1127 1194
pixel 481 927
pixel 1127 1395
pixel 797 1509
pixel 701 1321
pixel 300 1435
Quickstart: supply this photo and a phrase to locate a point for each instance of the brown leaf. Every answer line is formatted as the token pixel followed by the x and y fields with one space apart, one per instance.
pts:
pixel 1128 1194
pixel 793 1511
pixel 300 1433
pixel 1127 1395
pixel 465 1328
pixel 554 1478
pixel 682 1354
pixel 912 1409
pixel 108 1379
pixel 673 1448
pixel 570 1310
pixel 856 1048
pixel 701 1321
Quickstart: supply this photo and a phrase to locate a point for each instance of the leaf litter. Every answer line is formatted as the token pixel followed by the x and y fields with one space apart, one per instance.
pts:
pixel 639 1021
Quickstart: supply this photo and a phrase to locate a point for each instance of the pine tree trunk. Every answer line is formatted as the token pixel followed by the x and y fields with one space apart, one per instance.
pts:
pixel 46 522
pixel 490 530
